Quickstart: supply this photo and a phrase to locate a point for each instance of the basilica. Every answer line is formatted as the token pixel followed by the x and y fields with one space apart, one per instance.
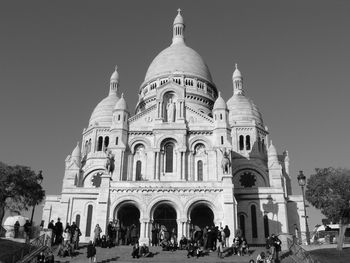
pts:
pixel 184 158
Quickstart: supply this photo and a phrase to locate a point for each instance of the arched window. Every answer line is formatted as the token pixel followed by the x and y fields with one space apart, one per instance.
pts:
pixel 138 170
pixel 89 146
pixel 88 221
pixel 100 142
pixel 241 142
pixel 242 224
pixel 169 156
pixel 266 226
pixel 200 170
pixel 106 142
pixel 77 220
pixel 220 116
pixel 116 140
pixel 222 139
pixel 118 117
pixel 247 142
pixel 254 224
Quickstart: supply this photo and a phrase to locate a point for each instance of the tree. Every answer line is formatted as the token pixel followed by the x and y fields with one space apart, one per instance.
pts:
pixel 329 190
pixel 19 188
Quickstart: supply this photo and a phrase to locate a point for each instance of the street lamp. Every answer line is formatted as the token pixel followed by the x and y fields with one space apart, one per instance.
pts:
pixel 302 182
pixel 39 179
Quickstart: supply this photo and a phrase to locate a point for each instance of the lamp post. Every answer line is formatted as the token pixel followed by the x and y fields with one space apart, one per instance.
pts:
pixel 302 182
pixel 39 178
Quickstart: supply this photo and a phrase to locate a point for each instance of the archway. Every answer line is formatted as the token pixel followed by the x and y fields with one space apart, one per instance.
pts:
pixel 129 217
pixel 165 215
pixel 201 215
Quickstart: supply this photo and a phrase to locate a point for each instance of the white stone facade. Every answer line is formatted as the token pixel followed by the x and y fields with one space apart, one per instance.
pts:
pixel 185 150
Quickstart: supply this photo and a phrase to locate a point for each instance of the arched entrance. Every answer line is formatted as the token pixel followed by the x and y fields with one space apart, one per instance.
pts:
pixel 165 215
pixel 129 218
pixel 201 216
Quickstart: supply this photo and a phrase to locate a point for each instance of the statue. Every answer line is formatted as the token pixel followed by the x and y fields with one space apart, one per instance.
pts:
pixel 170 110
pixel 225 163
pixel 110 162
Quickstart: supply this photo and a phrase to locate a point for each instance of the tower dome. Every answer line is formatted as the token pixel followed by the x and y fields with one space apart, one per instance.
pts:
pixel 220 103
pixel 121 104
pixel 178 58
pixel 243 109
pixel 102 114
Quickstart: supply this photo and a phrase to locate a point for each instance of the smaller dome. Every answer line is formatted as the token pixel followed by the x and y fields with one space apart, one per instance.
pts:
pixel 121 104
pixel 220 103
pixel 115 75
pixel 76 151
pixel 243 109
pixel 178 19
pixel 102 114
pixel 236 73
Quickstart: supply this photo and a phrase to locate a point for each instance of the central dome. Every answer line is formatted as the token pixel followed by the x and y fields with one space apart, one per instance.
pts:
pixel 178 58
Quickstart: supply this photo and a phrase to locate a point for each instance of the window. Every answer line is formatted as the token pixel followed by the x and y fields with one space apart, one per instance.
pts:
pixel 99 145
pixel 220 116
pixel 106 142
pixel 88 221
pixel 247 142
pixel 138 170
pixel 242 224
pixel 241 142
pixel 222 139
pixel 200 170
pixel 116 140
pixel 254 224
pixel 266 226
pixel 118 117
pixel 169 155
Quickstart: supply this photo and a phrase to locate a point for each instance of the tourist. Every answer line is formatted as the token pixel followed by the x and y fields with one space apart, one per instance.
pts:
pixel 220 244
pixel 205 237
pixel 268 258
pixel 144 251
pixel 134 234
pixel 260 258
pixel 127 236
pixel 236 245
pixel 51 226
pixel 16 229
pixel 91 252
pixel 227 236
pixel 110 231
pixel 244 247
pixel 135 250
pixel 154 235
pixel 275 247
pixel 97 235
pixel 104 241
pixel 76 238
pixel 58 231
pixel 199 250
pixel 190 249
pixel 183 242
pixel 72 231
pixel 27 229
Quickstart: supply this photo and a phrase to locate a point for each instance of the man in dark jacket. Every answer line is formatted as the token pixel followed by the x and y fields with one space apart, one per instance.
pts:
pixel 227 235
pixel 53 232
pixel 58 231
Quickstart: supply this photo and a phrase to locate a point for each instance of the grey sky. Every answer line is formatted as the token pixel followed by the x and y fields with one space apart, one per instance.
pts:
pixel 56 58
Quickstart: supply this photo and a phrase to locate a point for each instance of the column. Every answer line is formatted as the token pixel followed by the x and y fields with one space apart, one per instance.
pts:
pixel 183 154
pixel 161 165
pixel 157 166
pixel 179 229
pixel 190 166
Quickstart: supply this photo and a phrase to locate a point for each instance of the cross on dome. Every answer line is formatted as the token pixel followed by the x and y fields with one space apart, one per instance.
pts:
pixel 178 28
pixel 179 11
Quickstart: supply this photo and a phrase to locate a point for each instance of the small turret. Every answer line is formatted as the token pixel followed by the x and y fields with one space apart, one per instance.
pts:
pixel 76 154
pixel 120 114
pixel 114 83
pixel 220 114
pixel 237 80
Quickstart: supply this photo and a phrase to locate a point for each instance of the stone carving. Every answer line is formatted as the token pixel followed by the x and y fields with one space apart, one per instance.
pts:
pixel 110 163
pixel 96 180
pixel 170 107
pixel 225 163
pixel 247 179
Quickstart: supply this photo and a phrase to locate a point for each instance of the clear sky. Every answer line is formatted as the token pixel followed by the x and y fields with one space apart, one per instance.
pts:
pixel 56 58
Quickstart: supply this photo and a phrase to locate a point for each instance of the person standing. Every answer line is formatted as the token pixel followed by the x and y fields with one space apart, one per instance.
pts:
pixel 16 229
pixel 97 234
pixel 227 236
pixel 91 252
pixel 27 227
pixel 133 233
pixel 58 231
pixel 51 227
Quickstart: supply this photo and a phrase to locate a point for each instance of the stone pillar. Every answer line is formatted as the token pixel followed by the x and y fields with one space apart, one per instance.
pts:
pixel 229 205
pixel 157 166
pixel 144 237
pixel 183 163
pixel 161 165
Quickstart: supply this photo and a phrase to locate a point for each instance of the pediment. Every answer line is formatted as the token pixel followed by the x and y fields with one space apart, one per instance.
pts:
pixel 194 117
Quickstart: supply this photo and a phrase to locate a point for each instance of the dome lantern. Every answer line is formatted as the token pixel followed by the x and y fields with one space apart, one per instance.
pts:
pixel 178 28
pixel 114 83
pixel 237 80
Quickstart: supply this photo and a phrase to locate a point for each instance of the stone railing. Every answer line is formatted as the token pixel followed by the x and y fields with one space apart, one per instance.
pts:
pixel 298 254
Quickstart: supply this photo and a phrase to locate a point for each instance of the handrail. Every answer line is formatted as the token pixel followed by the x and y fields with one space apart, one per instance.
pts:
pixel 298 254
